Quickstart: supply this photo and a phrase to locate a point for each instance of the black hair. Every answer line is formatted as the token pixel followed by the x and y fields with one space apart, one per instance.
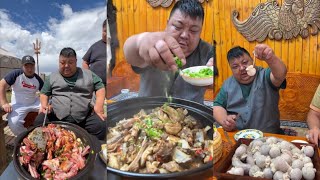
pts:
pixel 68 52
pixel 191 8
pixel 236 52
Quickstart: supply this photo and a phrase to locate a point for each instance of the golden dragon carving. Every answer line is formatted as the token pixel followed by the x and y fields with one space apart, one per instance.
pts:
pixel 291 19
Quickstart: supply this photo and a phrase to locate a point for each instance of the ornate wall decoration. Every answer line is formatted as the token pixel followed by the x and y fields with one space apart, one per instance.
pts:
pixel 291 19
pixel 164 3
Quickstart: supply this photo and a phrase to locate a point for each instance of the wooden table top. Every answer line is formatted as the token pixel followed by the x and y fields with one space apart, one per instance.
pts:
pixel 285 137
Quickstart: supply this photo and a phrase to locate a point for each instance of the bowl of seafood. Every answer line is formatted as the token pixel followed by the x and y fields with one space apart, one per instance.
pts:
pixel 58 150
pixel 270 158
pixel 158 137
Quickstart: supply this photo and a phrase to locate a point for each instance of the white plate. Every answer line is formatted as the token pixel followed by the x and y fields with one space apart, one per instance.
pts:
pixel 248 134
pixel 197 81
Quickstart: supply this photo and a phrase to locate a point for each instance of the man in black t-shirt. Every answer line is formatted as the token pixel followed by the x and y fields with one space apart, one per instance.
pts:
pixel 95 59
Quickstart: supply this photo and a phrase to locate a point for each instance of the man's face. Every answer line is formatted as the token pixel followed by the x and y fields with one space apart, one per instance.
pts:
pixel 185 30
pixel 28 69
pixel 104 34
pixel 67 66
pixel 238 67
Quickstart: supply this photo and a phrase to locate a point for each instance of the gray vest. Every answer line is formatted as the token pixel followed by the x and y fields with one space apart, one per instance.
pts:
pixel 74 101
pixel 260 110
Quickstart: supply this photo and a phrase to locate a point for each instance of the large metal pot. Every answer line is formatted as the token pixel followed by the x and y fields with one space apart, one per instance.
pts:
pixel 125 109
pixel 79 132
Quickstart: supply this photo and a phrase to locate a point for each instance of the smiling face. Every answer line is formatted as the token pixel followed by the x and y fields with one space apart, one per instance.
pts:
pixel 185 30
pixel 238 66
pixel 67 66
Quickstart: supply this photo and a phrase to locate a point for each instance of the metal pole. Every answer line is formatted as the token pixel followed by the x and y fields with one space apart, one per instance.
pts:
pixel 37 48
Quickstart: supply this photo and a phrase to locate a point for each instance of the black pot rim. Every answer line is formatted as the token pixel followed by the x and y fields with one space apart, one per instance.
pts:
pixel 83 135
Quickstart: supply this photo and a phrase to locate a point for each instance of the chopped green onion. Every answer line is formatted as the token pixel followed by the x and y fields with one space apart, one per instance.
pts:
pixel 178 61
pixel 205 72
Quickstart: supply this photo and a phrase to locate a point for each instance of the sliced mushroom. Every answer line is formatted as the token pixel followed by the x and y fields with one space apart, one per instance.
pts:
pixel 172 128
pixel 251 70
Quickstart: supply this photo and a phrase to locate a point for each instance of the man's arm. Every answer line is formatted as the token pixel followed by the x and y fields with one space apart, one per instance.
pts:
pixel 45 93
pixel 220 112
pixel 44 101
pixel 98 107
pixel 131 51
pixel 278 68
pixel 3 98
pixel 100 95
pixel 153 49
pixel 313 121
pixel 85 64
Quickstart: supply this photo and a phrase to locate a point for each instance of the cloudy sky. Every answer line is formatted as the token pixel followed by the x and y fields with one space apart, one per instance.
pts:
pixel 56 24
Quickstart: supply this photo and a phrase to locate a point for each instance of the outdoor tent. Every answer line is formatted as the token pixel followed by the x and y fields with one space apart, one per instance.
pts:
pixel 8 62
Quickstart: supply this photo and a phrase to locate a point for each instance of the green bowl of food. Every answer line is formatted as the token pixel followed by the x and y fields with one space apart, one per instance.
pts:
pixel 198 75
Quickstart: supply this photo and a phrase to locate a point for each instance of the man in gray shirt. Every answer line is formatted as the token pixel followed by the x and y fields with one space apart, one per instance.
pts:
pixel 151 53
pixel 253 98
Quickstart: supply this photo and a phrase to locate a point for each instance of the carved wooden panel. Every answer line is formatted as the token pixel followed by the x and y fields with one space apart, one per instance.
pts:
pixel 296 98
pixel 164 3
pixel 288 21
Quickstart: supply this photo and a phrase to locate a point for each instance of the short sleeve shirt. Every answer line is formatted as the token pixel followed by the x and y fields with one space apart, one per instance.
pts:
pixel 97 59
pixel 315 103
pixel 23 88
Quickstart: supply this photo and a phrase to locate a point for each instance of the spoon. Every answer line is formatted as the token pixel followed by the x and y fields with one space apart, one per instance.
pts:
pixel 250 69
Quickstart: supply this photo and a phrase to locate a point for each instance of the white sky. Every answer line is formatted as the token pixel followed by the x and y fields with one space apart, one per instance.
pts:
pixel 78 30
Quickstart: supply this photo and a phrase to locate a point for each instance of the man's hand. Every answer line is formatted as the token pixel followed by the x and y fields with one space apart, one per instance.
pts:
pixel 314 135
pixel 153 49
pixel 263 52
pixel 210 62
pixel 7 107
pixel 230 123
pixel 100 112
pixel 43 109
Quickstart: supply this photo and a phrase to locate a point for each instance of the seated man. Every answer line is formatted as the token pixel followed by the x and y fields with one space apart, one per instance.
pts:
pixel 71 91
pixel 251 101
pixel 313 119
pixel 151 53
pixel 24 83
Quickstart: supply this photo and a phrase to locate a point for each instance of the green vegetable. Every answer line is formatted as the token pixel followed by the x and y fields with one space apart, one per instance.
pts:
pixel 205 72
pixel 148 122
pixel 153 132
pixel 178 61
